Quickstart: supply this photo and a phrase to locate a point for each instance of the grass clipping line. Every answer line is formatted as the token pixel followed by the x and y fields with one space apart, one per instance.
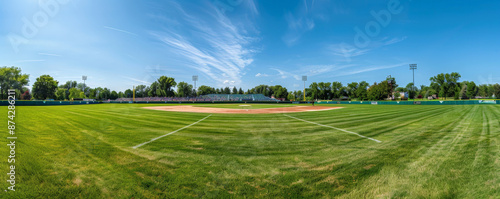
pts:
pixel 334 128
pixel 152 140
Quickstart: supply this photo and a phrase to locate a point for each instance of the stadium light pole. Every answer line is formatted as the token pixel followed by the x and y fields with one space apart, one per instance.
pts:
pixel 84 77
pixel 413 67
pixel 304 78
pixel 195 78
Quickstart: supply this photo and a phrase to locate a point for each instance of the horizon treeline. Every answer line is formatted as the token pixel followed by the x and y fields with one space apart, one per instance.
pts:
pixel 444 85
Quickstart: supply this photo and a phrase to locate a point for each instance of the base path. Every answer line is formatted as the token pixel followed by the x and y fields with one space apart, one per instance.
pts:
pixel 194 109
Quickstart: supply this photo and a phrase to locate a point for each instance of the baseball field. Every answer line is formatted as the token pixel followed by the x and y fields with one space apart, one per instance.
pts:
pixel 352 151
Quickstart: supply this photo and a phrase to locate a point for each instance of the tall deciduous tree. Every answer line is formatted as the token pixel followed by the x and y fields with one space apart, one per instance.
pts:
pixel 361 91
pixel 12 78
pixel 166 84
pixel 336 90
pixel 184 89
pixel 44 87
pixel 205 90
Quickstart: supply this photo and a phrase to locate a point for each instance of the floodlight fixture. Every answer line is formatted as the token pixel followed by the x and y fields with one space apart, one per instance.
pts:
pixel 195 79
pixel 84 77
pixel 413 67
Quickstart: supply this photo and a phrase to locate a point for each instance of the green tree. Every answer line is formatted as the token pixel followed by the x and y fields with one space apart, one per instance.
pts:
pixel 279 91
pixel 483 90
pixel 61 94
pixel 155 91
pixel 45 87
pixel 290 97
pixel 496 90
pixel 104 94
pixel 76 93
pixel 351 89
pixel 184 89
pixel 379 91
pixel 205 90
pixel 471 89
pixel 141 91
pixel 12 78
pixel 361 91
pixel 313 90
pixel 325 90
pixel 412 90
pixel 445 84
pixel 235 90
pixel 128 93
pixel 240 91
pixel 227 90
pixel 336 90
pixel 166 84
pixel 114 95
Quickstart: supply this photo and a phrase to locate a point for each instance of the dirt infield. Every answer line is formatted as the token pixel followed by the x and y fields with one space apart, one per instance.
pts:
pixel 194 109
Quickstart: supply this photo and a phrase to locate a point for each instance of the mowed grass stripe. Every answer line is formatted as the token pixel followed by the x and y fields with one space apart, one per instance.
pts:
pixel 338 129
pixel 438 152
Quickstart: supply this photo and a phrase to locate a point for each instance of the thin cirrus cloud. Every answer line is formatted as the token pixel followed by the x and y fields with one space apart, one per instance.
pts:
pixel 120 30
pixel 374 68
pixel 29 60
pixel 349 51
pixel 311 71
pixel 49 54
pixel 215 46
pixel 299 23
pixel 137 80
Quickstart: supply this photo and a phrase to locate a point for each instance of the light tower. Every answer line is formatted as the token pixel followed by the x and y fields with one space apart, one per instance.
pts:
pixel 304 79
pixel 195 79
pixel 413 67
pixel 84 77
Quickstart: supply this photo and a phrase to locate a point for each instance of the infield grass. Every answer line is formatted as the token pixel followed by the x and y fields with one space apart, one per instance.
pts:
pixel 85 151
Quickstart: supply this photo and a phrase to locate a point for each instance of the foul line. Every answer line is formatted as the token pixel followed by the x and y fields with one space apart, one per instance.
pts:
pixel 334 128
pixel 152 140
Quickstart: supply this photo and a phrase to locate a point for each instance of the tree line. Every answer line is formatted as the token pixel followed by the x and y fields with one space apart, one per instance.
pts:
pixel 444 85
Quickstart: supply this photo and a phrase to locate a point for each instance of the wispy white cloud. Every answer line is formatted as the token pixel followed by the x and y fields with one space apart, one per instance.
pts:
pixel 311 71
pixel 346 50
pixel 48 54
pixel 29 60
pixel 349 51
pixel 394 40
pixel 261 75
pixel 283 74
pixel 219 50
pixel 137 80
pixel 369 69
pixel 120 30
pixel 299 23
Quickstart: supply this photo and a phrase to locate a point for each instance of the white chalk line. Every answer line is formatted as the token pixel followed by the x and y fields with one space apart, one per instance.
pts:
pixel 334 128
pixel 154 139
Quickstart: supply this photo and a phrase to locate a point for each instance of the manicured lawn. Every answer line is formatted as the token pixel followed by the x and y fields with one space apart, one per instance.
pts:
pixel 85 151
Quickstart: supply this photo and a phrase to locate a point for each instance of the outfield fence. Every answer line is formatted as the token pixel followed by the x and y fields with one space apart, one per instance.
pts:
pixel 48 103
pixel 55 103
pixel 468 102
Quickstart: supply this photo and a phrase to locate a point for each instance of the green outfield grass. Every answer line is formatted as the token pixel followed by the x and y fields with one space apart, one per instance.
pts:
pixel 85 151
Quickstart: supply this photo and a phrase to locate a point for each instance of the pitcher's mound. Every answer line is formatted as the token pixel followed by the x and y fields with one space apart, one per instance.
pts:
pixel 194 109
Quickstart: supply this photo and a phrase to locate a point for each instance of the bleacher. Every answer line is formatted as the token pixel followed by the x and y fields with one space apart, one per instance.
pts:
pixel 205 98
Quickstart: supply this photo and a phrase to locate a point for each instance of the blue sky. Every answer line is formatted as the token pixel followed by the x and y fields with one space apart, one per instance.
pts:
pixel 118 44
